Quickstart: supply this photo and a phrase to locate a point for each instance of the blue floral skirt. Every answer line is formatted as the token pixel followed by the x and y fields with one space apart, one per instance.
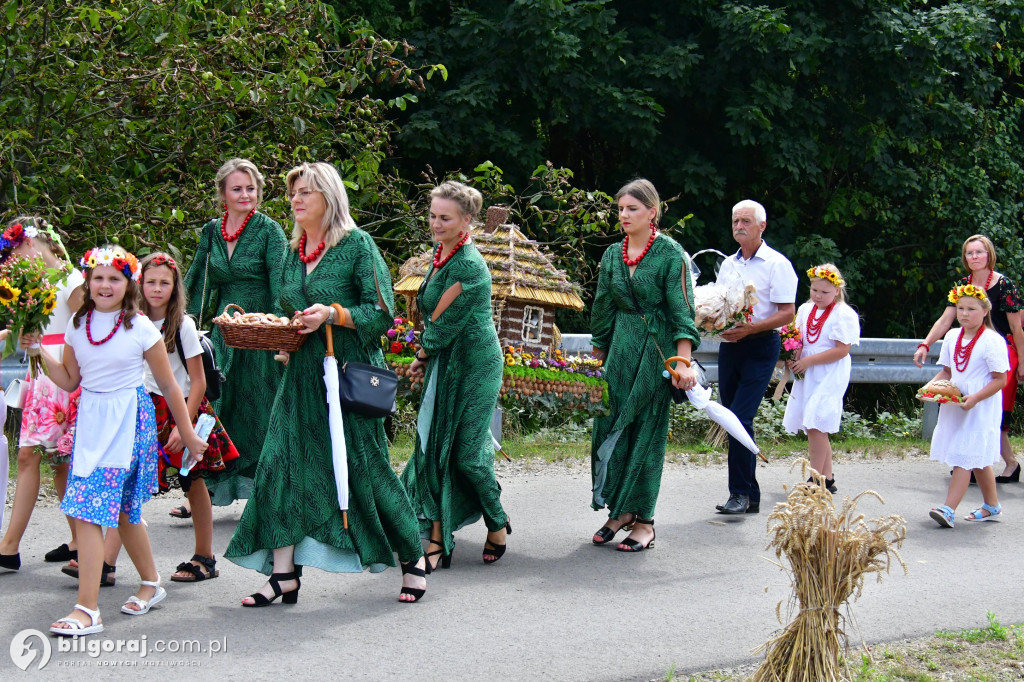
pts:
pixel 107 492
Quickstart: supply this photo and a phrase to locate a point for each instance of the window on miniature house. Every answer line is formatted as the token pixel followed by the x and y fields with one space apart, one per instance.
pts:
pixel 533 322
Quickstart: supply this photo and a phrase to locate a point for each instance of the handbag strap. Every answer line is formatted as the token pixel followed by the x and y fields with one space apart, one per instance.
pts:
pixel 643 316
pixel 206 276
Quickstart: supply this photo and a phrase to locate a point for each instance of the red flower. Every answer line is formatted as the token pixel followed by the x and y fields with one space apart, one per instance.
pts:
pixel 14 232
pixel 397 347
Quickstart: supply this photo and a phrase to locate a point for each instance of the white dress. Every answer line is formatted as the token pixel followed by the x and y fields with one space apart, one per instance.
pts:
pixel 817 400
pixel 970 438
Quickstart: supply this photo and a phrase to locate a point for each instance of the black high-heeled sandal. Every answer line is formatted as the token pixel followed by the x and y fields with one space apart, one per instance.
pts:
pixel 497 551
pixel 605 534
pixel 290 597
pixel 629 545
pixel 416 592
pixel 444 562
pixel 1012 478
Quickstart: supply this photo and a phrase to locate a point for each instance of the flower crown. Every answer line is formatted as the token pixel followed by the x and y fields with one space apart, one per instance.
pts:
pixel 956 293
pixel 114 256
pixel 16 234
pixel 163 260
pixel 821 272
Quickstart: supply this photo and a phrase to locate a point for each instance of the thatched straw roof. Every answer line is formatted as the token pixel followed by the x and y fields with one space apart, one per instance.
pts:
pixel 520 270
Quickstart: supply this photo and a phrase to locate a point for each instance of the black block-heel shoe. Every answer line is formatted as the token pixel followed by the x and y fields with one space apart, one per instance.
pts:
pixel 444 562
pixel 417 593
pixel 628 545
pixel 605 534
pixel 291 597
pixel 1012 478
pixel 495 550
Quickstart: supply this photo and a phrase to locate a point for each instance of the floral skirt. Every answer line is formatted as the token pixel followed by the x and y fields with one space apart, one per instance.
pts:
pixel 48 416
pixel 218 457
pixel 107 492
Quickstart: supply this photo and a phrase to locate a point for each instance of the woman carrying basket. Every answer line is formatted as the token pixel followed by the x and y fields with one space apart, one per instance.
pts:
pixel 333 275
pixel 642 311
pixel 239 261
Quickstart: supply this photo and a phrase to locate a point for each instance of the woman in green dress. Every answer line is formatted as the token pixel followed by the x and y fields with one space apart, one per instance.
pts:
pixel 239 261
pixel 292 518
pixel 450 477
pixel 642 311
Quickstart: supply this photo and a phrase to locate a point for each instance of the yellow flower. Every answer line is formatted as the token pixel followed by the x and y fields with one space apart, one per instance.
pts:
pixel 49 303
pixel 8 294
pixel 956 293
pixel 827 274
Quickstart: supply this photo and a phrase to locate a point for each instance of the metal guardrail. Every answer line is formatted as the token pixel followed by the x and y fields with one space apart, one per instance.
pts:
pixel 874 361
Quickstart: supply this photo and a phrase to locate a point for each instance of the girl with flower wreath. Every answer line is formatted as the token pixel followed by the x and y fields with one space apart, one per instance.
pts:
pixel 48 411
pixel 113 463
pixel 829 327
pixel 967 434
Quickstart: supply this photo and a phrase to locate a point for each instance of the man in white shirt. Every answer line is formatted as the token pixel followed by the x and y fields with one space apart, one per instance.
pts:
pixel 749 352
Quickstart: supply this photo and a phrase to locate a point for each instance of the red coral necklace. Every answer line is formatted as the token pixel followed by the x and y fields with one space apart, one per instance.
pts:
pixel 236 235
pixel 625 248
pixel 88 328
pixel 988 281
pixel 814 326
pixel 438 261
pixel 302 250
pixel 962 354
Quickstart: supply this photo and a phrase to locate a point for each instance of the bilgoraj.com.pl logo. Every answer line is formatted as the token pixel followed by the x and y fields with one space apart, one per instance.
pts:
pixel 25 649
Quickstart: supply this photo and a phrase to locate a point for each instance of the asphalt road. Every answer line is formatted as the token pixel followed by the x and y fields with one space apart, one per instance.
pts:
pixel 554 608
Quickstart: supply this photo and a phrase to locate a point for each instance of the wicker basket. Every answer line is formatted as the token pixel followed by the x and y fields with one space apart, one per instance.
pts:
pixel 258 336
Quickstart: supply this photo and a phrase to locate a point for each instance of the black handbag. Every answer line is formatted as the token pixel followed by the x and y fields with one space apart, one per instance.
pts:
pixel 367 389
pixel 214 377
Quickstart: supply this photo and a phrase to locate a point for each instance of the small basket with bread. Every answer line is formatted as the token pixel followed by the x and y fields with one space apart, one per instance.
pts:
pixel 941 391
pixel 259 331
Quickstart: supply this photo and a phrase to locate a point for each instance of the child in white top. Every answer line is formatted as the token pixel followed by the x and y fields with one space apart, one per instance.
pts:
pixel 113 462
pixel 967 435
pixel 47 410
pixel 828 328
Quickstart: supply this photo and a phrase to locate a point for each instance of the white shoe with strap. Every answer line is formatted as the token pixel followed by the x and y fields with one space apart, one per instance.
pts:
pixel 145 606
pixel 75 627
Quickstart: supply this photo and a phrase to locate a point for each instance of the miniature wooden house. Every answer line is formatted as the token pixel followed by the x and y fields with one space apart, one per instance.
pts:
pixel 526 288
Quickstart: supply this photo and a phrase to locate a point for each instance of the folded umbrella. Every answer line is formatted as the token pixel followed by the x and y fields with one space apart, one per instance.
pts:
pixel 339 453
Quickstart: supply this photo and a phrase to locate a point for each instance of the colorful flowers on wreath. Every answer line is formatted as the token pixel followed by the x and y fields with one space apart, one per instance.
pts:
pixel 16 234
pixel 969 290
pixel 400 339
pixel 792 341
pixel 556 360
pixel 114 256
pixel 827 274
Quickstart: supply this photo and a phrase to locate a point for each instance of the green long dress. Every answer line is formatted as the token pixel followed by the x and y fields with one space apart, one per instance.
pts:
pixel 450 477
pixel 628 446
pixel 294 499
pixel 251 278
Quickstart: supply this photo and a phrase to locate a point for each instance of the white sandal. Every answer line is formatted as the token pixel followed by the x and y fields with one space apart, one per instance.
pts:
pixel 145 606
pixel 76 629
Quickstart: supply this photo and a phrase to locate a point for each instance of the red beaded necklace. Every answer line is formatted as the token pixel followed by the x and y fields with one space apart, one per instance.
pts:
pixel 625 248
pixel 962 355
pixel 236 235
pixel 814 326
pixel 988 281
pixel 438 261
pixel 88 328
pixel 302 250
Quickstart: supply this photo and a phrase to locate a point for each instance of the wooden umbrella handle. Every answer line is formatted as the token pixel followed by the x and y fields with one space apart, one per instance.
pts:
pixel 330 340
pixel 675 358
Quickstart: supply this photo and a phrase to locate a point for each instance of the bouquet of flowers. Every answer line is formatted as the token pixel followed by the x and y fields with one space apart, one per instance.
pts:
pixel 792 341
pixel 400 339
pixel 721 307
pixel 28 294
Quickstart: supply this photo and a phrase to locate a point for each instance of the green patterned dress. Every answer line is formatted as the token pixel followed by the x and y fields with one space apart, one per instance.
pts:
pixel 251 279
pixel 294 500
pixel 628 446
pixel 450 477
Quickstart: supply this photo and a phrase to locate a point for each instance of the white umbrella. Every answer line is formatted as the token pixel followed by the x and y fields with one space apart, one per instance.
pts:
pixel 339 453
pixel 700 398
pixel 3 463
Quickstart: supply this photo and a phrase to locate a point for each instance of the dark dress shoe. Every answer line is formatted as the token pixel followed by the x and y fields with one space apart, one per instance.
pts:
pixel 11 562
pixel 1012 478
pixel 737 504
pixel 62 553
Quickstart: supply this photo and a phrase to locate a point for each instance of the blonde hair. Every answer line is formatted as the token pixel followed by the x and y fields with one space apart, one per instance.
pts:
pixel 244 165
pixel 468 199
pixel 643 191
pixel 324 178
pixel 987 243
pixel 46 232
pixel 832 276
